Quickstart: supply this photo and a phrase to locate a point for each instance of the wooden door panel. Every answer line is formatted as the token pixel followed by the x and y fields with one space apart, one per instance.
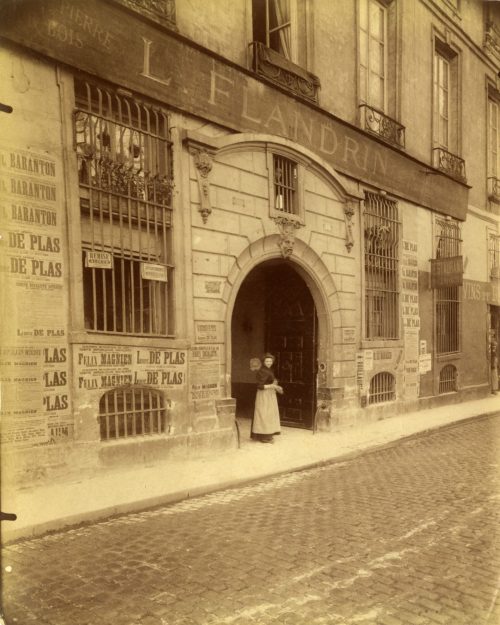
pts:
pixel 291 323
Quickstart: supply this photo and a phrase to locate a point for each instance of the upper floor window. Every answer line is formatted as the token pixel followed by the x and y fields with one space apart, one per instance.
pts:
pixel 445 104
pixel 373 18
pixel 445 97
pixel 272 26
pixel 124 168
pixel 381 247
pixel 493 151
pixel 279 46
pixel 377 53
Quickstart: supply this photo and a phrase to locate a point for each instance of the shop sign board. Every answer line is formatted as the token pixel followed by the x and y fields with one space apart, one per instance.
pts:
pixel 447 272
pixel 153 271
pixel 98 260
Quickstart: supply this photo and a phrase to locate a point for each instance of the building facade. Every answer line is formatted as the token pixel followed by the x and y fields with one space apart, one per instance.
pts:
pixel 185 187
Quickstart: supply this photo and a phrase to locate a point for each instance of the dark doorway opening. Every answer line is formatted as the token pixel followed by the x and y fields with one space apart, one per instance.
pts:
pixel 274 311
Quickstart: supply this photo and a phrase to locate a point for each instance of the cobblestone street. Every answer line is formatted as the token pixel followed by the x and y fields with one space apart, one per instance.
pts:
pixel 404 535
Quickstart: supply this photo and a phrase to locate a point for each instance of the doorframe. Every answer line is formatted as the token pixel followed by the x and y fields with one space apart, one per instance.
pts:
pixel 318 279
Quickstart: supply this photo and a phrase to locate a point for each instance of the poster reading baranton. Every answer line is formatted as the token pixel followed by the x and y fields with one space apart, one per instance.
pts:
pixel 35 401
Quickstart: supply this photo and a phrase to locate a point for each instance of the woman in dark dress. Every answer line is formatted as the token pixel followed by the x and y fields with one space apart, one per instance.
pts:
pixel 266 418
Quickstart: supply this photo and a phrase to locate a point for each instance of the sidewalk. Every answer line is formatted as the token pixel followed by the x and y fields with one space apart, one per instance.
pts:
pixel 130 489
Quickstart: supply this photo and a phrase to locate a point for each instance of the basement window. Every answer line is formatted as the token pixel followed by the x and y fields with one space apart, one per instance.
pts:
pixel 382 388
pixel 130 412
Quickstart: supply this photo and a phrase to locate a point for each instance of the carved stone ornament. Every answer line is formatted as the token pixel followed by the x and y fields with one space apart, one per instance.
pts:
pixel 203 163
pixel 287 229
pixel 349 210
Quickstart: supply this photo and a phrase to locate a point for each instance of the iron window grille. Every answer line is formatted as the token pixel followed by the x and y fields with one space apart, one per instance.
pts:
pixel 382 388
pixel 448 379
pixel 131 412
pixel 448 244
pixel 381 247
pixel 285 185
pixel 125 175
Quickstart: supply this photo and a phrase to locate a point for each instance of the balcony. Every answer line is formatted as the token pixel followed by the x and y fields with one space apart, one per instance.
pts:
pixel 377 123
pixel 161 11
pixel 279 70
pixel 449 163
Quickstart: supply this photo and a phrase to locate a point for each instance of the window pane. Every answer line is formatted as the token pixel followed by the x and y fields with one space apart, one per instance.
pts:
pixel 376 19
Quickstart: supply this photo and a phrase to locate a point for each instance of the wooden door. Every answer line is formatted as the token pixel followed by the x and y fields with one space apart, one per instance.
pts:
pixel 291 337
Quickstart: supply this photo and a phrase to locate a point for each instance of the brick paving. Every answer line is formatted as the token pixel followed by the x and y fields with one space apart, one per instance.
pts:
pixel 406 535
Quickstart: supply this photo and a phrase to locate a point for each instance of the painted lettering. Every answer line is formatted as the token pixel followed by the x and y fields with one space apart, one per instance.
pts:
pixel 146 64
pixel 380 163
pixel 276 116
pixel 328 141
pixel 245 113
pixel 307 130
pixel 351 149
pixel 218 90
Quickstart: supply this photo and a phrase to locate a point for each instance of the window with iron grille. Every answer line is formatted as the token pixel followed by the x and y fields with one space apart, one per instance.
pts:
pixel 494 255
pixel 448 379
pixel 381 247
pixel 132 411
pixel 382 388
pixel 285 185
pixel 125 175
pixel 448 244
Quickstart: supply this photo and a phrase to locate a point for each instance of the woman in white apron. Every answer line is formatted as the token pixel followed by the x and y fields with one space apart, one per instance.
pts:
pixel 266 418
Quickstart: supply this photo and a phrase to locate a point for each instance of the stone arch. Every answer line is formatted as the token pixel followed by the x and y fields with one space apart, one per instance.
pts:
pixel 313 271
pixel 345 188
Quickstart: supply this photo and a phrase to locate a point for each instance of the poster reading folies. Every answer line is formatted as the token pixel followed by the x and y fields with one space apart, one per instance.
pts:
pixel 35 406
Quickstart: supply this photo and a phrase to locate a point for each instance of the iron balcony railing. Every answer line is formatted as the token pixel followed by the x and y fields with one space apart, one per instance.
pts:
pixel 278 69
pixel 380 124
pixel 449 163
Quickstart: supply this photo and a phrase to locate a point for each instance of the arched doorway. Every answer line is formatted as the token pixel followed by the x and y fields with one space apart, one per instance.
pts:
pixel 274 311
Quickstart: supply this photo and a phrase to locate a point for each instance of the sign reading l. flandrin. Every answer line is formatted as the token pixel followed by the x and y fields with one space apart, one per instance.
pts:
pixel 108 40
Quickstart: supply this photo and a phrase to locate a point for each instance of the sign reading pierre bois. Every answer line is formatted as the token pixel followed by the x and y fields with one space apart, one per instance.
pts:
pixel 107 40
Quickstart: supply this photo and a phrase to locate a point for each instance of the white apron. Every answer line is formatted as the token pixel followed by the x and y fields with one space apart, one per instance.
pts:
pixel 266 419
